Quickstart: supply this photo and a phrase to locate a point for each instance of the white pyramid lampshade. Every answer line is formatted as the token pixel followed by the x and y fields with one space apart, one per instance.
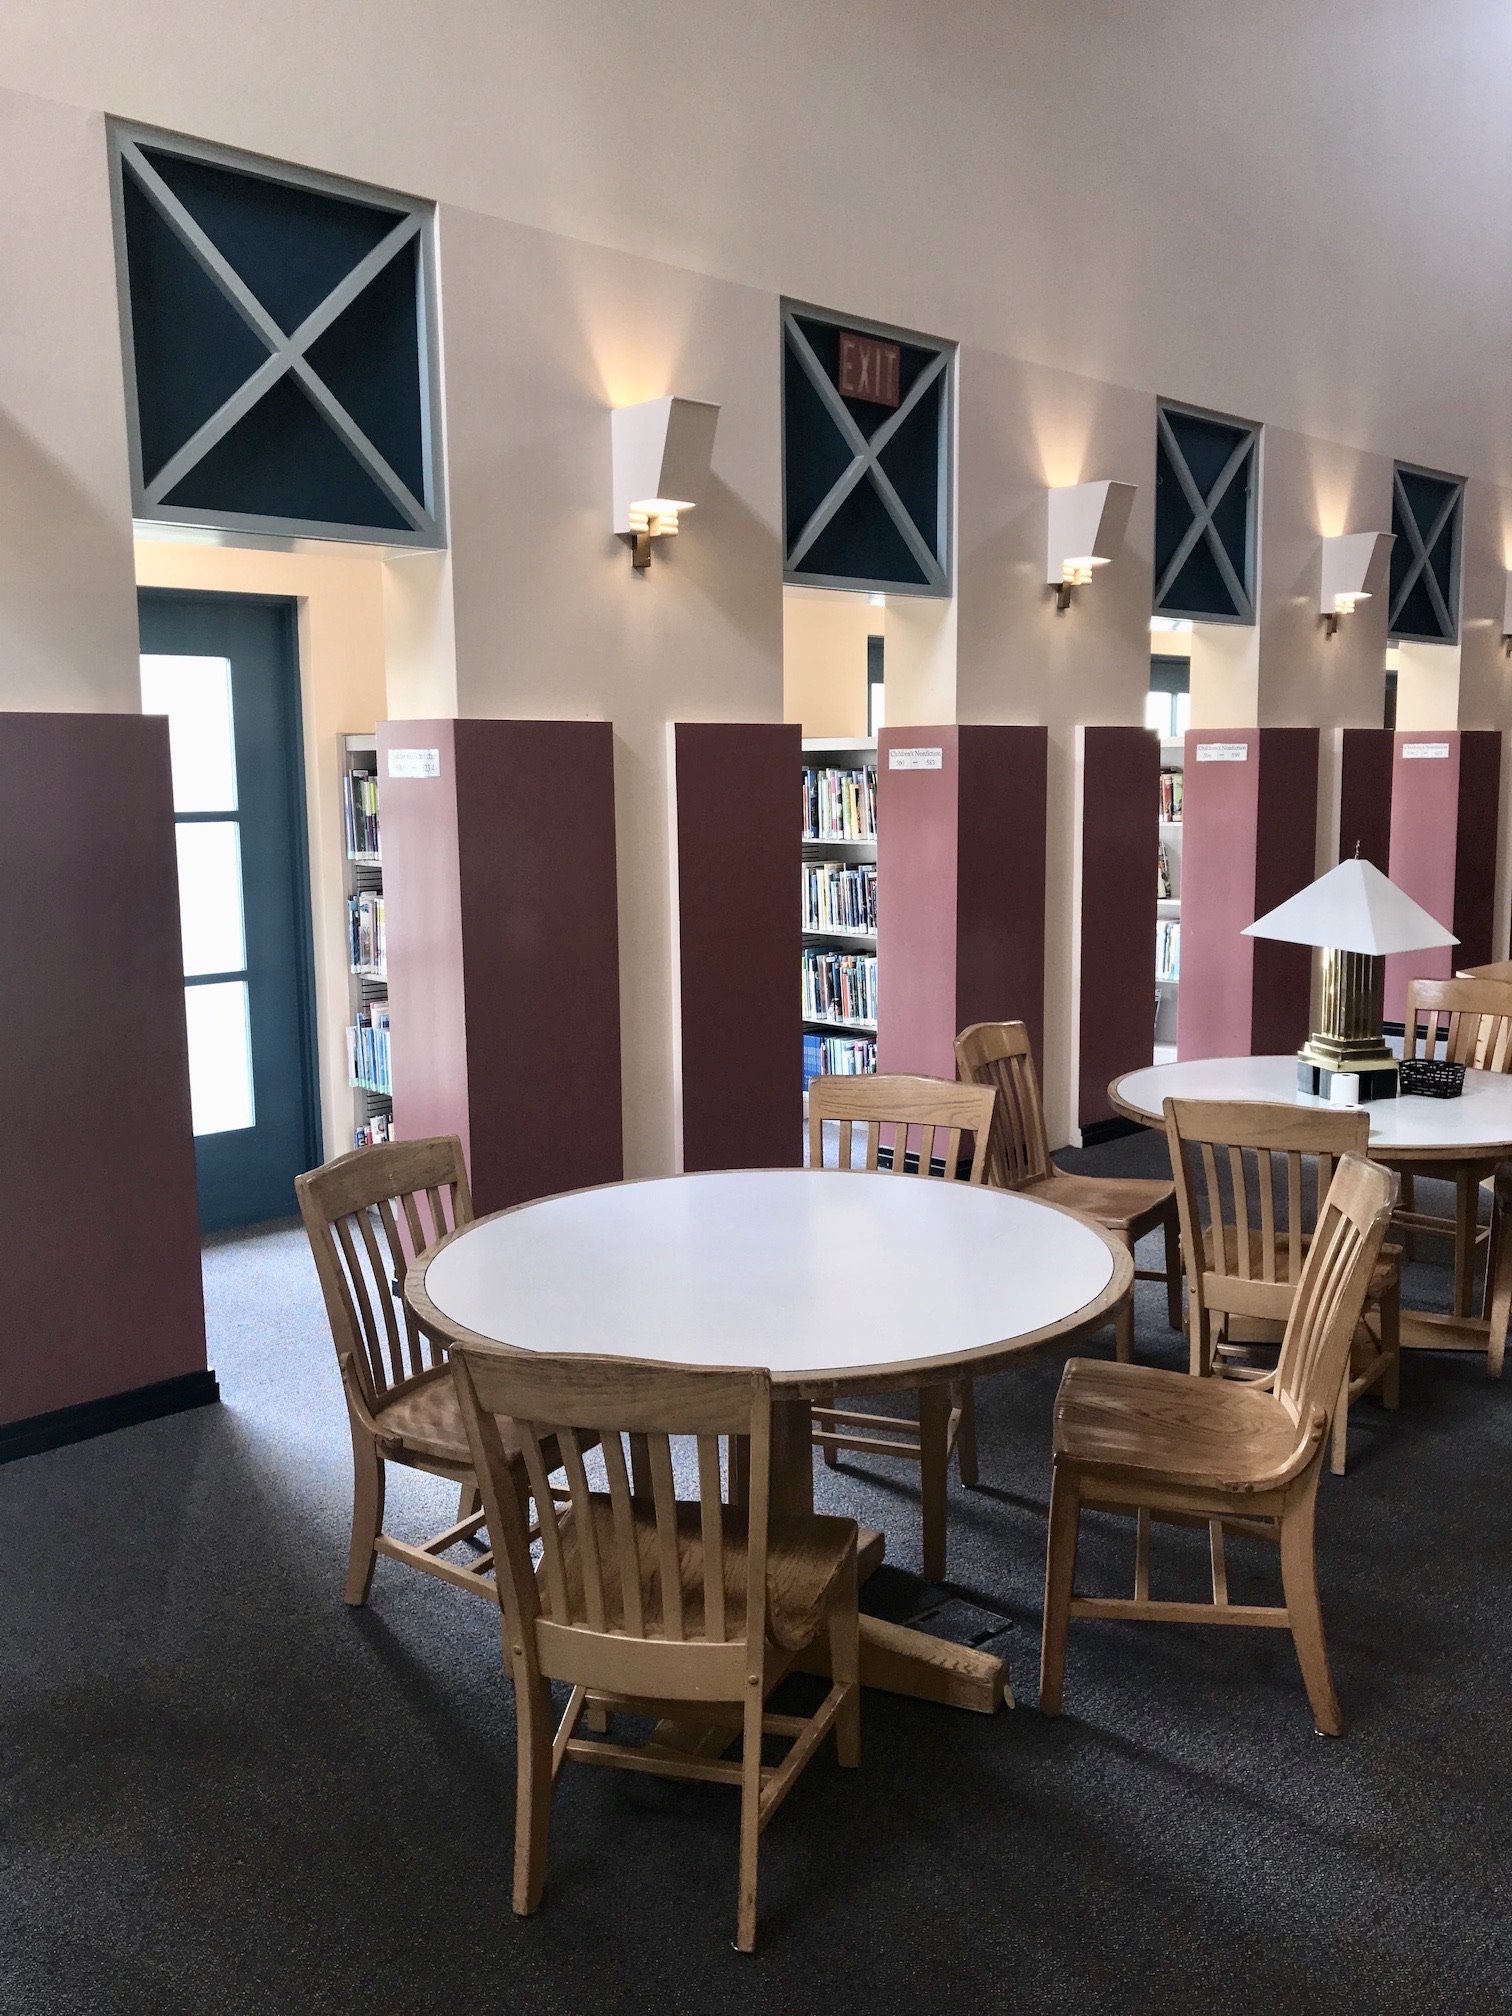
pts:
pixel 1087 526
pixel 1353 569
pixel 1353 908
pixel 661 453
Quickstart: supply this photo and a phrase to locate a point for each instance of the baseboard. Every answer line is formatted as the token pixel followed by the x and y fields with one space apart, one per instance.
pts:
pixel 1095 1133
pixel 101 1417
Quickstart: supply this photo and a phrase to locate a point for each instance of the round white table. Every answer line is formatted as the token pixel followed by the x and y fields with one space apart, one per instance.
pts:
pixel 1461 1140
pixel 834 1281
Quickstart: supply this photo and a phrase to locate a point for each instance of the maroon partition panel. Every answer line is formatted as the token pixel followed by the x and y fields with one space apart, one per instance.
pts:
pixel 1249 840
pixel 1474 920
pixel 739 942
pixel 1425 796
pixel 960 888
pixel 1365 767
pixel 503 948
pixel 1120 847
pixel 97 1192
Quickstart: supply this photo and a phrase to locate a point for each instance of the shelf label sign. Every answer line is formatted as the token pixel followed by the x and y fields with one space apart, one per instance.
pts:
pixel 869 369
pixel 414 762
pixel 1416 751
pixel 1223 752
pixel 915 759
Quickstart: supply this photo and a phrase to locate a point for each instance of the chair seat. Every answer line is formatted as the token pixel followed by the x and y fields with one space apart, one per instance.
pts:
pixel 423 1419
pixel 1170 1425
pixel 1123 1203
pixel 804 1556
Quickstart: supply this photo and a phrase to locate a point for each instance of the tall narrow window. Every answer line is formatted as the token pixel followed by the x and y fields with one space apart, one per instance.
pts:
pixel 866 435
pixel 1206 480
pixel 1425 516
pixel 279 346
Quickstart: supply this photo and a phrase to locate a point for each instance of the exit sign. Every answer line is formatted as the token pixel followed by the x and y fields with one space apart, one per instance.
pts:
pixel 868 369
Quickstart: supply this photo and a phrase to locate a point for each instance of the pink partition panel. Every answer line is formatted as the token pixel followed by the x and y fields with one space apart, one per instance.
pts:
pixel 1365 768
pixel 97 1191
pixel 503 948
pixel 1249 840
pixel 739 941
pixel 1425 791
pixel 1120 846
pixel 960 888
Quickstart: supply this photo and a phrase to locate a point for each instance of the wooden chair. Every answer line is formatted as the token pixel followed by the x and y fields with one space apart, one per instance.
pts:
pixel 368 1215
pixel 998 1054
pixel 1472 1019
pixel 913 1113
pixel 1232 1160
pixel 1134 1438
pixel 642 1601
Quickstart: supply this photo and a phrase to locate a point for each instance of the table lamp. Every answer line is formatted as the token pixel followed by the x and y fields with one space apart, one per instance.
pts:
pixel 1356 917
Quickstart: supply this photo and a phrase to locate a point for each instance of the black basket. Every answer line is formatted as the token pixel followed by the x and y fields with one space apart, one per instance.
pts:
pixel 1430 1078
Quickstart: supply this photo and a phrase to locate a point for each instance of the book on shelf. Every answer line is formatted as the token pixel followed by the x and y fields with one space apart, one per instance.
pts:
pixel 839 804
pixel 839 986
pixel 376 1129
pixel 838 896
pixel 1163 872
pixel 1170 795
pixel 1168 950
pixel 367 945
pixel 368 1049
pixel 359 804
pixel 837 1056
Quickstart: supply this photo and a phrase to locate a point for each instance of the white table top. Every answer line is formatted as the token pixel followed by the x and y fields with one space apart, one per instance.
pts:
pixel 813 1274
pixel 1409 1129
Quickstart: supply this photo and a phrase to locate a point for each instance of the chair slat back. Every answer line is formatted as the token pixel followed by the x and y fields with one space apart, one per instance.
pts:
pixel 369 1214
pixel 1246 1207
pixel 1472 1018
pixel 1330 1297
pixel 998 1054
pixel 917 1122
pixel 622 1600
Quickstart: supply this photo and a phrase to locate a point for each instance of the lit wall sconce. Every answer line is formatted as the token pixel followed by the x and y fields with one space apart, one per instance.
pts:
pixel 1087 525
pixel 1354 566
pixel 661 451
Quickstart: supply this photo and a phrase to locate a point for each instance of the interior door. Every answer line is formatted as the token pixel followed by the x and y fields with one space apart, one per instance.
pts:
pixel 225 670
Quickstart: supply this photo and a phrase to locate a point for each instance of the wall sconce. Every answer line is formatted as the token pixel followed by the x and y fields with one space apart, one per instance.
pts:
pixel 1087 525
pixel 661 451
pixel 1353 565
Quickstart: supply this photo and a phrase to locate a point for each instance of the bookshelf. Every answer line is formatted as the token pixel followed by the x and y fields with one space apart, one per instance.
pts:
pixel 1168 901
pixel 368 1068
pixel 838 899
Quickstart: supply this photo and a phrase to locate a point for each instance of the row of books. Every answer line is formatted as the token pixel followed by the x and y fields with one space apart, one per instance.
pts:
pixel 1163 872
pixel 1170 794
pixel 359 804
pixel 839 898
pixel 368 1063
pixel 367 944
pixel 839 804
pixel 837 1056
pixel 839 986
pixel 1168 950
pixel 377 1128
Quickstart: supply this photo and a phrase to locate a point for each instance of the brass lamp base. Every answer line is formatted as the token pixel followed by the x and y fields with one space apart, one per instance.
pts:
pixel 1349 1043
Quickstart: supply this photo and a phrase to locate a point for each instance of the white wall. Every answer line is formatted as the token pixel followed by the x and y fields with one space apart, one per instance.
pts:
pixel 825 637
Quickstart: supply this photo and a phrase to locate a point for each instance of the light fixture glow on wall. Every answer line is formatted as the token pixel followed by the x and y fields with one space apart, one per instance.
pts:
pixel 1087 525
pixel 1353 568
pixel 661 453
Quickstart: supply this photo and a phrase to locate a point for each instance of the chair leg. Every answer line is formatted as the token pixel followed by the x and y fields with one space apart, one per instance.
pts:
pixel 532 1789
pixel 1407 1194
pixel 367 1516
pixel 1060 1580
pixel 831 1455
pixel 1299 1580
pixel 1340 1436
pixel 469 1500
pixel 1173 1267
pixel 934 1465
pixel 1499 1275
pixel 1466 1201
pixel 750 1819
pixel 1200 1342
pixel 1123 1322
pixel 845 1665
pixel 966 1442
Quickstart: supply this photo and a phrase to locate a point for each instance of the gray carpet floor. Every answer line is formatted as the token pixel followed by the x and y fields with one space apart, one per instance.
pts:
pixel 220 1790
